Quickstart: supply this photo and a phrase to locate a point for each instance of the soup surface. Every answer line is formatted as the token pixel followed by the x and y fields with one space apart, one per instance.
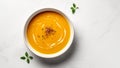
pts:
pixel 48 32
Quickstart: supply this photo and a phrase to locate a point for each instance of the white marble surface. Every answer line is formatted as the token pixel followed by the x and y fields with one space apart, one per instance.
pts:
pixel 97 33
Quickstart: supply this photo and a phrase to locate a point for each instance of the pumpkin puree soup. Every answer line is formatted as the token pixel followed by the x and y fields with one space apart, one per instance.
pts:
pixel 48 32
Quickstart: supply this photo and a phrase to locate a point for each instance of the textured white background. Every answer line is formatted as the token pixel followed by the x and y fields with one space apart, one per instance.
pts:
pixel 97 33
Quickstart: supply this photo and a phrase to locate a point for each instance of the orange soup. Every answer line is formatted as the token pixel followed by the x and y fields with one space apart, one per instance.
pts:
pixel 48 32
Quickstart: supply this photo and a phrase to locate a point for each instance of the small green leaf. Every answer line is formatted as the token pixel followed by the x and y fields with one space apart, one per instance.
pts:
pixel 72 8
pixel 31 57
pixel 77 7
pixel 74 5
pixel 26 54
pixel 73 11
pixel 23 58
pixel 28 61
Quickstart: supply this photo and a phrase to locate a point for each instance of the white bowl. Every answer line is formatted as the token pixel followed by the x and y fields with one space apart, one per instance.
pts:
pixel 48 55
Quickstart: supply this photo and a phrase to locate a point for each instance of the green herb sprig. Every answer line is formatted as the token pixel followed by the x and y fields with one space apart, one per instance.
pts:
pixel 26 57
pixel 73 8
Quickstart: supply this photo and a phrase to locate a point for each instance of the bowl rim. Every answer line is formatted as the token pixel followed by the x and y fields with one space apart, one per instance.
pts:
pixel 54 54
